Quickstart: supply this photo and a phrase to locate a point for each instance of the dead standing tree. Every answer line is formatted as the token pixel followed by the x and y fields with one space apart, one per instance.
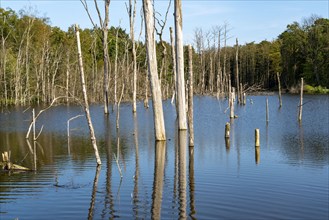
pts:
pixel 237 83
pixel 182 125
pixel 86 105
pixel 104 27
pixel 174 64
pixel 159 126
pixel 159 32
pixel 132 15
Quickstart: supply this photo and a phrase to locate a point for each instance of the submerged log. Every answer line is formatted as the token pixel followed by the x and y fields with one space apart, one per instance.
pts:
pixel 7 165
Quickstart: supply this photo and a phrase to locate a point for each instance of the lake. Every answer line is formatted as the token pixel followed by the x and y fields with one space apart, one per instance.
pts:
pixel 285 178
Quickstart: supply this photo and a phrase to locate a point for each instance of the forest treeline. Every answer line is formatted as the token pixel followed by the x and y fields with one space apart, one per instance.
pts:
pixel 39 62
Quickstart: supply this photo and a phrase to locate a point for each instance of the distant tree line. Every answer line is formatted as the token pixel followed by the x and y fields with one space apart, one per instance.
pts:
pixel 38 62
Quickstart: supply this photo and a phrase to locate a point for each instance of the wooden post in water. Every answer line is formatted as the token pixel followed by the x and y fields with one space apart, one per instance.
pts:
pixel 257 142
pixel 227 130
pixel 227 134
pixel 279 84
pixel 257 155
pixel 190 98
pixel 267 113
pixel 301 100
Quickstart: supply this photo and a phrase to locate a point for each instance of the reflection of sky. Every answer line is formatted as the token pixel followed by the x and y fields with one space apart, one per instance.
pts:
pixel 290 181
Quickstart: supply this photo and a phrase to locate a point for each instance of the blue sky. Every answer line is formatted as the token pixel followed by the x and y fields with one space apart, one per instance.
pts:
pixel 247 20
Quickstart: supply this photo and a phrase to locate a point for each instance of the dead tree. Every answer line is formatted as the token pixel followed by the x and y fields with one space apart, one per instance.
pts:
pixel 85 97
pixel 237 83
pixel 104 27
pixel 132 15
pixel 159 32
pixel 159 126
pixel 279 85
pixel 174 65
pixel 300 112
pixel 190 97
pixel 182 125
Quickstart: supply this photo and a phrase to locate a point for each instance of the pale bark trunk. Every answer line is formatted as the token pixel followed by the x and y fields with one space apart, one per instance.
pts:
pixel 182 125
pixel 237 70
pixel 267 112
pixel 301 100
pixel 279 84
pixel 174 64
pixel 159 125
pixel 211 77
pixel 86 105
pixel 190 98
pixel 219 71
pixel 67 77
pixel 146 100
pixel 132 15
pixel 106 70
pixel 116 68
pixel 105 54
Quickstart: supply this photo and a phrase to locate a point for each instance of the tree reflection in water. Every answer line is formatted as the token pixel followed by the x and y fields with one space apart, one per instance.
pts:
pixel 93 195
pixel 191 182
pixel 182 142
pixel 159 167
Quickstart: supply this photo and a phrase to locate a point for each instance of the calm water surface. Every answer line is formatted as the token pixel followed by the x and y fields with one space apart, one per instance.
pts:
pixel 286 178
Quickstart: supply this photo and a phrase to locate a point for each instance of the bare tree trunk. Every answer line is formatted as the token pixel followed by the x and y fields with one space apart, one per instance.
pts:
pixel 182 125
pixel 190 97
pixel 106 59
pixel 237 70
pixel 146 100
pixel 174 65
pixel 86 105
pixel 132 15
pixel 67 77
pixel 104 26
pixel 159 126
pixel 219 69
pixel 116 68
pixel 224 61
pixel 301 100
pixel 203 67
pixel 232 103
pixel 279 84
pixel 211 75
pixel 4 63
